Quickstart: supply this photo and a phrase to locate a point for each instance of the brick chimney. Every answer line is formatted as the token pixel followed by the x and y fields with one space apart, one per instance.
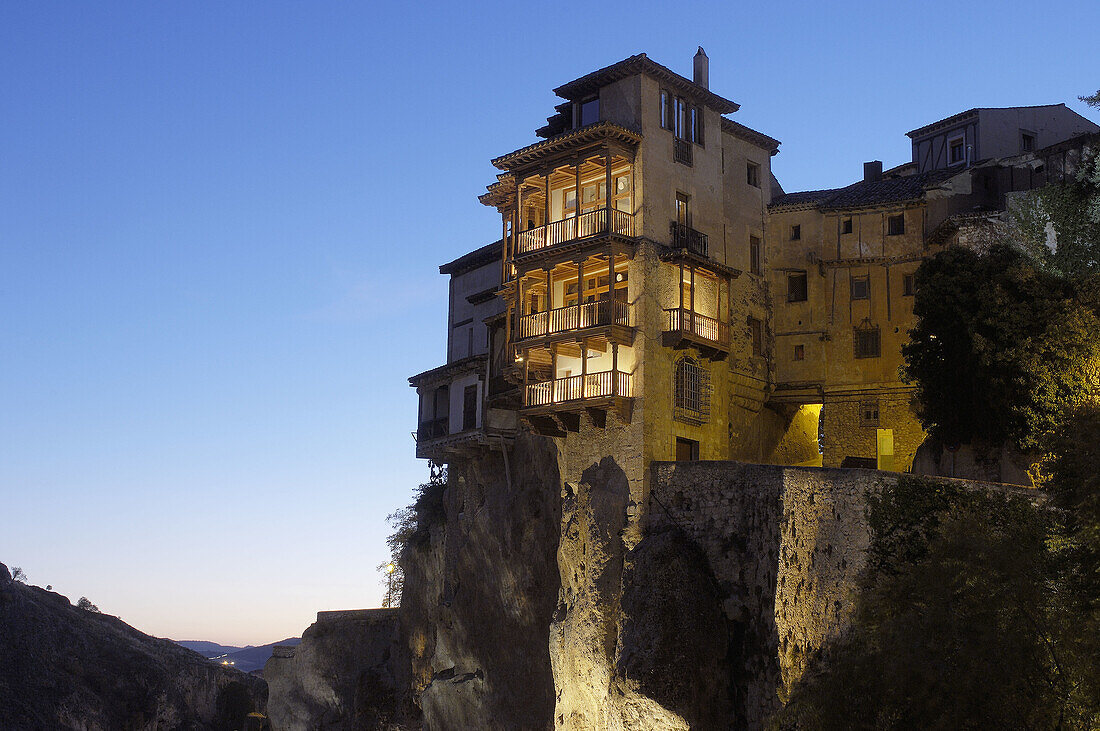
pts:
pixel 872 171
pixel 702 69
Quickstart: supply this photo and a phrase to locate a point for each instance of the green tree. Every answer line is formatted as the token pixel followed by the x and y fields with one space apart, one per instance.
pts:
pixel 86 604
pixel 412 530
pixel 952 627
pixel 1002 348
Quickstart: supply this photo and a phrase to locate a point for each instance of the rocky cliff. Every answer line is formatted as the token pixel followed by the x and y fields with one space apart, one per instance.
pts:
pixel 67 668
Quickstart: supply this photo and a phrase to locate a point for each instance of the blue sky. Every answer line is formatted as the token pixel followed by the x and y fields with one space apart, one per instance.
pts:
pixel 220 225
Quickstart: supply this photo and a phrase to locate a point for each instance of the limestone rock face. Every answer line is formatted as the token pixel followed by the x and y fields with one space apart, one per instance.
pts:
pixel 67 668
pixel 345 674
pixel 479 598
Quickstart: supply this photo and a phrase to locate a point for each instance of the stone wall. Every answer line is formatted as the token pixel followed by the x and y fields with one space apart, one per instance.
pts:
pixel 349 672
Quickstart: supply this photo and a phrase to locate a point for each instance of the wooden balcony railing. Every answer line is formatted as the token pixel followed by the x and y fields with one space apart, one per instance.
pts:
pixel 686 322
pixel 572 229
pixel 576 317
pixel 434 429
pixel 681 151
pixel 576 388
pixel 685 237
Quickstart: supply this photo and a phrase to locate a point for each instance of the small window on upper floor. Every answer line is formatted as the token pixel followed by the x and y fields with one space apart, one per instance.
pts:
pixel 590 111
pixel 956 151
pixel 666 109
pixel 1027 141
pixel 683 209
pixel 796 287
pixel 867 342
pixel 756 332
pixel 846 226
pixel 908 285
pixel 895 225
pixel 800 352
pixel 756 255
pixel 753 174
pixel 796 232
pixel 861 287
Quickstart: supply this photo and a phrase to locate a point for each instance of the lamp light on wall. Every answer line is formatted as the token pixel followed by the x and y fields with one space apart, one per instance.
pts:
pixel 619 277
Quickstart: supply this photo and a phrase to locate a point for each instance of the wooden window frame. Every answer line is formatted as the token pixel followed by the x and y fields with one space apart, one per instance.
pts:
pixel 752 173
pixel 795 294
pixel 852 279
pixel 899 229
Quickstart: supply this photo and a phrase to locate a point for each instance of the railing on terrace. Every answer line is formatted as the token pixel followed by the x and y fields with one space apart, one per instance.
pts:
pixel 686 322
pixel 576 388
pixel 681 151
pixel 578 227
pixel 685 237
pixel 576 317
pixel 434 429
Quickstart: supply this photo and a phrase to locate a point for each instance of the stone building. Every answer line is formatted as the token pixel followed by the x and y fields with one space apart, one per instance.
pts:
pixel 655 295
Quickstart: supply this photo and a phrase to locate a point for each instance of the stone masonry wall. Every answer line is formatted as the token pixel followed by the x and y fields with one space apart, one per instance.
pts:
pixel 785 545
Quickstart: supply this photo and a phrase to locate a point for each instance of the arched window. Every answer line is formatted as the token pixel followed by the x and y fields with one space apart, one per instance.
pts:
pixel 691 391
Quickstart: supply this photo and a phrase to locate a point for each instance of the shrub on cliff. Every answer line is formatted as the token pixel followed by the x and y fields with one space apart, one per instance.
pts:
pixel 956 624
pixel 412 529
pixel 1002 348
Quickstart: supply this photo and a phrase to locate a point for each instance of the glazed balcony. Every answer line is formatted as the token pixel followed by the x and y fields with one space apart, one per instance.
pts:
pixel 579 389
pixel 576 317
pixel 576 229
pixel 684 327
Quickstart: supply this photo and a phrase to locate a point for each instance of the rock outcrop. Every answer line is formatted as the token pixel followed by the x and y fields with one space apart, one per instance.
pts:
pixel 480 596
pixel 67 668
pixel 349 672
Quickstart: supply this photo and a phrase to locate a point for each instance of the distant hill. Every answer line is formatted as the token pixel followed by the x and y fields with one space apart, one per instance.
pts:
pixel 67 668
pixel 208 649
pixel 245 659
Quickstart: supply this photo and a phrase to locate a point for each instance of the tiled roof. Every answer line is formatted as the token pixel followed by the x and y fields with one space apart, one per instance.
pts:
pixel 568 140
pixel 864 193
pixel 747 133
pixel 479 257
pixel 640 63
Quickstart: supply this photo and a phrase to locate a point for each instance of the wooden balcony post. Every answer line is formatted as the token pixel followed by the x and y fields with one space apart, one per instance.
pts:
pixel 577 200
pixel 614 369
pixel 519 207
pixel 526 363
pixel 692 323
pixel 584 368
pixel 610 273
pixel 607 194
pixel 546 212
pixel 680 286
pixel 549 295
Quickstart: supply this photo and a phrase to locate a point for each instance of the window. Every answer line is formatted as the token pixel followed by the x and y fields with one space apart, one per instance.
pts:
pixel 895 225
pixel 796 232
pixel 908 285
pixel 956 151
pixel 861 287
pixel 666 110
pixel 696 126
pixel 753 174
pixel 620 199
pixel 756 265
pixel 469 407
pixel 800 352
pixel 590 111
pixel 867 343
pixel 868 413
pixel 1027 141
pixel 687 450
pixel 683 209
pixel 846 226
pixel 691 391
pixel 680 120
pixel 796 287
pixel 756 332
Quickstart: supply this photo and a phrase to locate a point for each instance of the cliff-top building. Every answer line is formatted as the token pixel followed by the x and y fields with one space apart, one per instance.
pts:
pixel 655 295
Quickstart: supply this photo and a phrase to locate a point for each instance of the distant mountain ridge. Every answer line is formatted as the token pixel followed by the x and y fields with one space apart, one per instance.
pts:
pixel 245 659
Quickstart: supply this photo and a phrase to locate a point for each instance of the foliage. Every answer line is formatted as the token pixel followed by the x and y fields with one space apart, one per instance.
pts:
pixel 954 626
pixel 86 604
pixel 1002 348
pixel 1074 484
pixel 1092 101
pixel 18 574
pixel 412 529
pixel 1070 211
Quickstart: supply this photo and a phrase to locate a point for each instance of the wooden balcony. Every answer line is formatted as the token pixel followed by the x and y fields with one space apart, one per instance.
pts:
pixel 587 225
pixel 576 317
pixel 563 398
pixel 684 327
pixel 434 429
pixel 685 237
pixel 681 151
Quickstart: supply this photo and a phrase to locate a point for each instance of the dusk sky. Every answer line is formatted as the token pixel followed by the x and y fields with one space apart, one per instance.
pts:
pixel 220 226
